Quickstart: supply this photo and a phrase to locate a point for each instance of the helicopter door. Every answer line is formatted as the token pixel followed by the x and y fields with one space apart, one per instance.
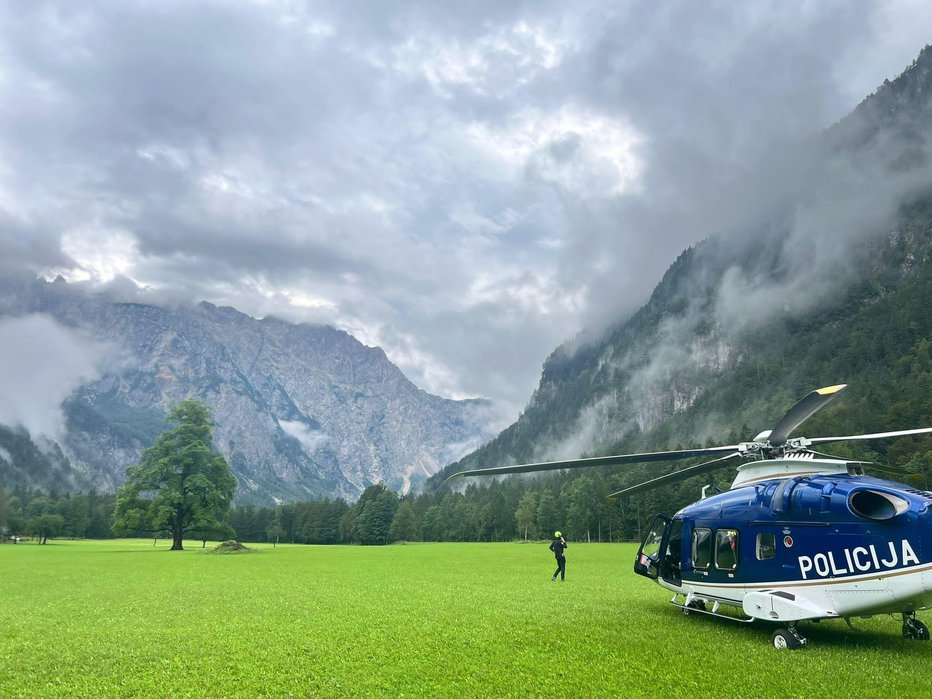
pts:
pixel 672 548
pixel 647 562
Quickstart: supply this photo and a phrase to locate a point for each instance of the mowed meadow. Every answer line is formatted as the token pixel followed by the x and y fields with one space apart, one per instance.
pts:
pixel 123 618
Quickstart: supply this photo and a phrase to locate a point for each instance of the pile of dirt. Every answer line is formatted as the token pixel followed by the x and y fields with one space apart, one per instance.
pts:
pixel 232 547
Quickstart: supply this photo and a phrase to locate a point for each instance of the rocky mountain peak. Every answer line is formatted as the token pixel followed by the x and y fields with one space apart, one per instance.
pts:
pixel 301 410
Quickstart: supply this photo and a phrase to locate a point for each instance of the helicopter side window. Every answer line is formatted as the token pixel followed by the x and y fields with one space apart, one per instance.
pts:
pixel 702 548
pixel 726 549
pixel 766 546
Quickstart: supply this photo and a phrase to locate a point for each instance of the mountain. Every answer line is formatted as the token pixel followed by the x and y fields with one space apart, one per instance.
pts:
pixel 829 281
pixel 300 410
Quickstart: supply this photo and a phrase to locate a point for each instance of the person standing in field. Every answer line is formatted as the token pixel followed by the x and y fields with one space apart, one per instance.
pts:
pixel 558 545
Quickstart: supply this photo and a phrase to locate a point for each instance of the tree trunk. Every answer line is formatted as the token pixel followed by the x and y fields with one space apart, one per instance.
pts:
pixel 176 541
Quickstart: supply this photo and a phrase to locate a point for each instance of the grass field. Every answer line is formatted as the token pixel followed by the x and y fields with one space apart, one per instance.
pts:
pixel 121 618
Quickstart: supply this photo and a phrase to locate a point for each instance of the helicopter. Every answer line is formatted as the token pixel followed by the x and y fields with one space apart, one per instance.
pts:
pixel 799 536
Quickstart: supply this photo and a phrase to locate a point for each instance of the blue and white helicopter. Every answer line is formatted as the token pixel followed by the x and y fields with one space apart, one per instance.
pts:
pixel 800 536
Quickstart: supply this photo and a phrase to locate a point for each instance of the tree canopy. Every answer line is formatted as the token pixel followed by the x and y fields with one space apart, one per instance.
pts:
pixel 372 515
pixel 181 484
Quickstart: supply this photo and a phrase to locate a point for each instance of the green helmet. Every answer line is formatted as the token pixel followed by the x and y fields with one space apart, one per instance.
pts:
pixel 557 534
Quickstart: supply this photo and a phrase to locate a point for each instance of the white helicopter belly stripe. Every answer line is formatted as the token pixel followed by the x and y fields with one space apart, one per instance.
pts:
pixel 815 583
pixel 866 596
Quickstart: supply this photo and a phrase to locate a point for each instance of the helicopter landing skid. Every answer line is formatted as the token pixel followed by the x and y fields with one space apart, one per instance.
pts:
pixel 699 604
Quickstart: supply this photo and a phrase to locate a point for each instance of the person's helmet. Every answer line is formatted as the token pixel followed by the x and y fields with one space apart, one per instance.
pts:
pixel 557 534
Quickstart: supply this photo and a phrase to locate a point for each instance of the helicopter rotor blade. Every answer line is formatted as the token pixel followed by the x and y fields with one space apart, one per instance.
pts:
pixel 802 411
pixel 876 435
pixel 683 474
pixel 891 470
pixel 871 466
pixel 595 461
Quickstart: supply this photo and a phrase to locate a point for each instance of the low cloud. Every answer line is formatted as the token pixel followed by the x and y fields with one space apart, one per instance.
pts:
pixel 808 223
pixel 310 440
pixel 835 210
pixel 41 363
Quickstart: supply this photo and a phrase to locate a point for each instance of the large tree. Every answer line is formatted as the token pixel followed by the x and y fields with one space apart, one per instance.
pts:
pixel 181 484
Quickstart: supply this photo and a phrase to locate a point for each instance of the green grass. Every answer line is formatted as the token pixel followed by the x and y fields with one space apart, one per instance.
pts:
pixel 121 618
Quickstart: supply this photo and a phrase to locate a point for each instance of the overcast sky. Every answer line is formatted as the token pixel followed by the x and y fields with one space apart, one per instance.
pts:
pixel 466 185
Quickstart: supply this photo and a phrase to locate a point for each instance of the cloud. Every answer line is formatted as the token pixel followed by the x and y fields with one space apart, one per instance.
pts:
pixel 837 198
pixel 41 363
pixel 467 184
pixel 818 224
pixel 310 440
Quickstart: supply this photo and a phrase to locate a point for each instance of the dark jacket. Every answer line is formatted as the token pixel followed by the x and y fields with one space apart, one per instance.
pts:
pixel 557 546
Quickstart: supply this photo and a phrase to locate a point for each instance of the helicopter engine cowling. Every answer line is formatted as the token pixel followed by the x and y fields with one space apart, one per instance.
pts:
pixel 875 504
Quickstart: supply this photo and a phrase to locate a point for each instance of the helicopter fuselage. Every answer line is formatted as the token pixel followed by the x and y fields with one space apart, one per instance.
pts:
pixel 801 547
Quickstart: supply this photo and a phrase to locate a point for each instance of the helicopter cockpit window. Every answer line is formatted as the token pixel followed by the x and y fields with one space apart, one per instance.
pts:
pixel 651 546
pixel 702 548
pixel 726 549
pixel 766 546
